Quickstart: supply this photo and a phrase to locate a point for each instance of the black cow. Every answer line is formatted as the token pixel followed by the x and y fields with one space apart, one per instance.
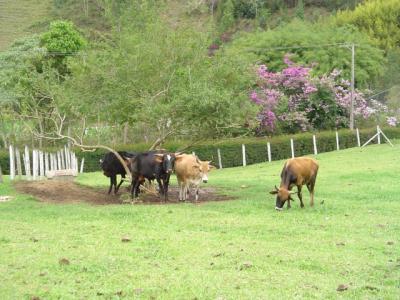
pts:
pixel 111 167
pixel 152 165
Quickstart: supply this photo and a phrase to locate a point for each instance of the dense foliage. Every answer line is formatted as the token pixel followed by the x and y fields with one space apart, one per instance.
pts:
pixel 142 70
pixel 378 18
pixel 325 46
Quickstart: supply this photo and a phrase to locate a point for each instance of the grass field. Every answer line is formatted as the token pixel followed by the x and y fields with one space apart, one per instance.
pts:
pixel 240 249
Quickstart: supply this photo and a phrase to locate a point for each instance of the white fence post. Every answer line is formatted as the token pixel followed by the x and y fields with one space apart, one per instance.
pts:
pixel 12 163
pixel 35 164
pixel 67 158
pixel 18 160
pixel 41 163
pixel 379 134
pixel 269 151
pixel 82 163
pixel 315 144
pixel 46 163
pixel 244 155
pixel 292 147
pixel 54 159
pixel 76 164
pixel 62 159
pixel 58 160
pixel 358 137
pixel 27 163
pixel 219 158
pixel 72 160
pixel 337 141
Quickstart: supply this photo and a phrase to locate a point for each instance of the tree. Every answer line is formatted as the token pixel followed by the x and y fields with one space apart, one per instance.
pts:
pixel 377 18
pixel 62 40
pixel 319 44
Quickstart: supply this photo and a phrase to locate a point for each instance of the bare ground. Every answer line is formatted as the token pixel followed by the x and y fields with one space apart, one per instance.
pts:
pixel 61 192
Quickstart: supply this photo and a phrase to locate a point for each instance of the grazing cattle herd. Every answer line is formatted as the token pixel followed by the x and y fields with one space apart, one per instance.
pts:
pixel 191 172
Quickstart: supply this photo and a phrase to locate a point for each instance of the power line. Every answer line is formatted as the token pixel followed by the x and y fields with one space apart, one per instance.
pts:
pixel 306 46
pixel 381 92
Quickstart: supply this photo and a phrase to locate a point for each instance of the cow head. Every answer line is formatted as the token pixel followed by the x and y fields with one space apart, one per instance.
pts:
pixel 167 160
pixel 204 167
pixel 282 195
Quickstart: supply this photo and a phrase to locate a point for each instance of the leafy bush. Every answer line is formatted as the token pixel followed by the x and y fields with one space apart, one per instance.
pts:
pixel 296 101
pixel 231 150
pixel 268 47
pixel 378 18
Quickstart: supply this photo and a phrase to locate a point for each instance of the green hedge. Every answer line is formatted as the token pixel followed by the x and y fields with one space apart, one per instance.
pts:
pixel 231 149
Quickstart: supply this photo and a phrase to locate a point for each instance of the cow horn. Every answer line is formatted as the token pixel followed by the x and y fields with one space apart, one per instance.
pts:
pixel 292 192
pixel 276 188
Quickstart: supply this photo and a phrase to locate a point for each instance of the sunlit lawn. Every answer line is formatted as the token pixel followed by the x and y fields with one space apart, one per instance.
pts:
pixel 240 249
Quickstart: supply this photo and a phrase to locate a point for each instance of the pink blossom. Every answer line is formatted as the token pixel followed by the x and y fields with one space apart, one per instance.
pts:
pixel 391 121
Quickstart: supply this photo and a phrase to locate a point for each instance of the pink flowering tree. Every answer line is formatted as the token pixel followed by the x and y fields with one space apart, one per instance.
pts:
pixel 293 100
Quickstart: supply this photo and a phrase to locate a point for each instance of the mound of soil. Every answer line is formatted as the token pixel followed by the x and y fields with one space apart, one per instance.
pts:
pixel 55 191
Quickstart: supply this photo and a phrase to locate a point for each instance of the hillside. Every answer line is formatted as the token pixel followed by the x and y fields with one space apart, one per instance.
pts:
pixel 20 17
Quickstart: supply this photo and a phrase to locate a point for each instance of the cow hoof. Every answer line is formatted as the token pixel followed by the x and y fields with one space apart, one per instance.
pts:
pixel 278 208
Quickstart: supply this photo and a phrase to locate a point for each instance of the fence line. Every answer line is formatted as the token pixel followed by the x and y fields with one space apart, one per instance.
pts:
pixel 43 163
pixel 314 149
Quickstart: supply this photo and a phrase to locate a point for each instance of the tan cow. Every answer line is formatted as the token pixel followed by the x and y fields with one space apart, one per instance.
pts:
pixel 190 171
pixel 297 171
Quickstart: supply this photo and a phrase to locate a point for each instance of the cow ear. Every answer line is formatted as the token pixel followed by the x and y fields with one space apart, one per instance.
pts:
pixel 178 157
pixel 273 192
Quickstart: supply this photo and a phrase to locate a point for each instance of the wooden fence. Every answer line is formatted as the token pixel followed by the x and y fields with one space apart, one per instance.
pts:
pixel 39 164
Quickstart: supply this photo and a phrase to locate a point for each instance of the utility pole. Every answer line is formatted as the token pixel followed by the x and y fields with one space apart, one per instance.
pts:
pixel 352 88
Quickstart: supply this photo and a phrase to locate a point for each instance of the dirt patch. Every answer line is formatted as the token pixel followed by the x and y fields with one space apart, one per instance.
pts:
pixel 54 191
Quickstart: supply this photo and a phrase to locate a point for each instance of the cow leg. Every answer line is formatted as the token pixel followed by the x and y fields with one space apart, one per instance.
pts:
pixel 310 187
pixel 111 185
pixel 135 188
pixel 185 192
pixel 300 195
pixel 180 190
pixel 122 179
pixel 197 194
pixel 114 183
pixel 165 185
pixel 160 186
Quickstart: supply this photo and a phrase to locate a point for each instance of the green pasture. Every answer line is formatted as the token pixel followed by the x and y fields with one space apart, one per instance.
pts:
pixel 239 249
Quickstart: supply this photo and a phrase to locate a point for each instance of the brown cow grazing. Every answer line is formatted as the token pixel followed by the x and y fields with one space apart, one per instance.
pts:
pixel 296 172
pixel 190 171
